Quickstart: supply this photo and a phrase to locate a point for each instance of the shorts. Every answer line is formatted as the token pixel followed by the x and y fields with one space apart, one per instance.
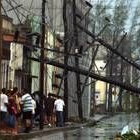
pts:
pixel 49 113
pixel 27 115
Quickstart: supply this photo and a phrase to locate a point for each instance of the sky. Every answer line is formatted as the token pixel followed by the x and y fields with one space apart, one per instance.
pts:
pixel 132 3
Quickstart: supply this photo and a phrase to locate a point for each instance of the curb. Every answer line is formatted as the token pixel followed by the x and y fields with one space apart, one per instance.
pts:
pixel 45 132
pixel 37 133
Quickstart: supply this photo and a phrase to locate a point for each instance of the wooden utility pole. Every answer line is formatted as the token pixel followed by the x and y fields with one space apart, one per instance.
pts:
pixel 0 45
pixel 111 55
pixel 110 86
pixel 0 49
pixel 42 64
pixel 121 90
pixel 65 58
pixel 79 95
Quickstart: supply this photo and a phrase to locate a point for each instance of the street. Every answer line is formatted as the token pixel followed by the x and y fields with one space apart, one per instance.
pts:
pixel 104 130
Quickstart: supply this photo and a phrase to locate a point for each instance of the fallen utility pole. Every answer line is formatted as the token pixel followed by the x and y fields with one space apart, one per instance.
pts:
pixel 41 86
pixel 108 46
pixel 91 74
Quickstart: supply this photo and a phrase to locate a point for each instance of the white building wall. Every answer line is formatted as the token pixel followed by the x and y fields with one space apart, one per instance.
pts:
pixel 16 60
pixel 49 69
pixel 100 87
pixel 4 75
pixel 35 68
pixel 87 99
pixel 72 96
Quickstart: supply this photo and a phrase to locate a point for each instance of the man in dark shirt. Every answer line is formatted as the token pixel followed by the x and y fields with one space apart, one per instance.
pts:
pixel 49 105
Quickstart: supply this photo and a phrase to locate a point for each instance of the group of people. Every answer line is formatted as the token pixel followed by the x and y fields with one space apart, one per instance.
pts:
pixel 54 110
pixel 23 108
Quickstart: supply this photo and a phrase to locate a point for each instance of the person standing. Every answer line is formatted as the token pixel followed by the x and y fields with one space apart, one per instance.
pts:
pixel 17 97
pixel 33 111
pixel 59 107
pixel 49 106
pixel 3 109
pixel 27 107
pixel 3 104
pixel 13 113
pixel 138 111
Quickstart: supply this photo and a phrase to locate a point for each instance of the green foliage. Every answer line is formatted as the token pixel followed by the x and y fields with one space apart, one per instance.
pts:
pixel 120 13
pixel 127 136
pixel 135 20
pixel 100 14
pixel 131 136
pixel 135 33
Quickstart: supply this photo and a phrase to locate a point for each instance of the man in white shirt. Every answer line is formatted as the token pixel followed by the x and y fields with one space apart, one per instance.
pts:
pixel 27 107
pixel 59 106
pixel 3 104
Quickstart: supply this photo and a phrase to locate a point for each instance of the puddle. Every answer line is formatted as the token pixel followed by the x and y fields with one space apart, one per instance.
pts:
pixel 104 130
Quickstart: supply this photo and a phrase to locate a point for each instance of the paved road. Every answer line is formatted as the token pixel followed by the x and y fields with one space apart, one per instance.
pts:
pixel 104 130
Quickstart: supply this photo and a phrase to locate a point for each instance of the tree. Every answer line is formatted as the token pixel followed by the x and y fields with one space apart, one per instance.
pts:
pixel 120 15
pixel 135 48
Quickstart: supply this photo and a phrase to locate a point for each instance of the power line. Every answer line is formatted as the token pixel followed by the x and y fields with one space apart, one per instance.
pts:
pixel 13 9
pixel 108 46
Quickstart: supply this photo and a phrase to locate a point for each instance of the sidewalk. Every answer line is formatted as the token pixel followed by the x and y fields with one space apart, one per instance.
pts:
pixel 46 131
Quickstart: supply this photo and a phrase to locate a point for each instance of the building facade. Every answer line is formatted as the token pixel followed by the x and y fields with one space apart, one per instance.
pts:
pixel 56 14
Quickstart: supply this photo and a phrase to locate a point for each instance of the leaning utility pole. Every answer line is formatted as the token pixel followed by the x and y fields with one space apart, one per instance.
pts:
pixel 121 90
pixel 79 95
pixel 110 109
pixel 65 58
pixel 42 64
